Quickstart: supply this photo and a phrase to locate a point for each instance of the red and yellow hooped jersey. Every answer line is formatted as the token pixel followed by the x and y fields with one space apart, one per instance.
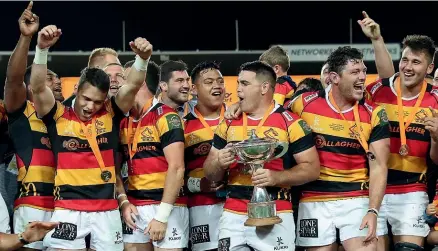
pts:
pixel 344 167
pixel 406 173
pixel 147 170
pixel 35 159
pixel 282 125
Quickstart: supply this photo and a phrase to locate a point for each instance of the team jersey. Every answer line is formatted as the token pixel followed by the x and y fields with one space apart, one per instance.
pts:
pixel 406 173
pixel 198 140
pixel 281 125
pixel 147 170
pixel 344 167
pixel 78 182
pixel 284 89
pixel 35 159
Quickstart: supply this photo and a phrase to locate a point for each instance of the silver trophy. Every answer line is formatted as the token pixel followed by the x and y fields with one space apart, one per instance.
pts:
pixel 255 152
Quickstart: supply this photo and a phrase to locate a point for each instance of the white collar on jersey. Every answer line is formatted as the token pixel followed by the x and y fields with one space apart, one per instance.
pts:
pixel 391 84
pixel 273 110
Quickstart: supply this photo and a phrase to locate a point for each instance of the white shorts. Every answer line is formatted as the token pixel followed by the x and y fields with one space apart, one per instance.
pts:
pixel 204 226
pixel 234 236
pixel 404 212
pixel 4 217
pixel 177 232
pixel 105 228
pixel 318 221
pixel 24 215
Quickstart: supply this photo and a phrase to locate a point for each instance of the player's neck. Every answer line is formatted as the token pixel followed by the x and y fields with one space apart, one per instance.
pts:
pixel 208 112
pixel 342 103
pixel 169 102
pixel 260 111
pixel 139 104
pixel 411 91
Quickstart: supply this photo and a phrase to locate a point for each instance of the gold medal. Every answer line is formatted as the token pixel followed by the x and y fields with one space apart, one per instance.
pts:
pixel 371 156
pixel 106 176
pixel 404 150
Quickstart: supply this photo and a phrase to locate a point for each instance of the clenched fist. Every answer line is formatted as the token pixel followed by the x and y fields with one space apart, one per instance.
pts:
pixel 48 36
pixel 28 21
pixel 141 47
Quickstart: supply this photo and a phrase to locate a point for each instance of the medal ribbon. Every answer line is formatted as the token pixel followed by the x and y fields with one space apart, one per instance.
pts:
pixel 133 139
pixel 361 138
pixel 92 141
pixel 265 116
pixel 204 123
pixel 405 124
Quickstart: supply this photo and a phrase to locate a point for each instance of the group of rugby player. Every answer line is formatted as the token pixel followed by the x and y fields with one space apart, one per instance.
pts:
pixel 128 162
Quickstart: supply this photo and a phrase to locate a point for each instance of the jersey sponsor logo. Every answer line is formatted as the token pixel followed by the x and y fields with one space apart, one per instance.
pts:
pixel 118 238
pixel 310 97
pixel 419 222
pixel 173 121
pixel 200 234
pixel 308 228
pixel 370 108
pixel 202 149
pixel 306 128
pixel 65 231
pixel 434 92
pixel 287 116
pixel 147 135
pixel 46 141
pixel 375 87
pixel 175 236
pixel 337 127
pixel 160 110
pixel 224 244
pixel 280 244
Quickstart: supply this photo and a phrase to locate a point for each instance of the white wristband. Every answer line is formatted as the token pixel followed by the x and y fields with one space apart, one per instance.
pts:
pixel 194 185
pixel 40 55
pixel 163 212
pixel 120 195
pixel 140 64
pixel 123 202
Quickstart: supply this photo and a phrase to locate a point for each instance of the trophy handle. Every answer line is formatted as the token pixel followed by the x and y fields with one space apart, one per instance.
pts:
pixel 284 146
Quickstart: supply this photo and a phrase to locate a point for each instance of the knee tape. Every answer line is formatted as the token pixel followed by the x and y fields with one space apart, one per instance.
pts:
pixel 406 246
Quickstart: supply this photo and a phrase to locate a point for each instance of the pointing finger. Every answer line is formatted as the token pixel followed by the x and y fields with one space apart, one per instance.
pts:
pixel 365 15
pixel 29 7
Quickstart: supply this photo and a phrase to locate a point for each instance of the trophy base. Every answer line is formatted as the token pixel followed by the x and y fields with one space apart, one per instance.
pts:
pixel 262 214
pixel 251 222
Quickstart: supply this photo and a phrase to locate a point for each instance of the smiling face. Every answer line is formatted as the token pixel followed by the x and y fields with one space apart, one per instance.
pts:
pixel 178 87
pixel 54 83
pixel 117 78
pixel 351 80
pixel 210 87
pixel 413 67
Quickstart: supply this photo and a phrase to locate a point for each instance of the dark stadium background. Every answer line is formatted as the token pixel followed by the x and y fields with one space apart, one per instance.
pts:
pixel 188 26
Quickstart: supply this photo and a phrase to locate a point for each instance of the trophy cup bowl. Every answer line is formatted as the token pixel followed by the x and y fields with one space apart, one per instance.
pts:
pixel 255 152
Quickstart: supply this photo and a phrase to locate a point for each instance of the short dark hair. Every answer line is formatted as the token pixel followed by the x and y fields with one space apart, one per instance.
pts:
pixel 201 67
pixel 312 84
pixel 168 67
pixel 420 43
pixel 152 75
pixel 95 77
pixel 339 58
pixel 262 70
pixel 276 55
